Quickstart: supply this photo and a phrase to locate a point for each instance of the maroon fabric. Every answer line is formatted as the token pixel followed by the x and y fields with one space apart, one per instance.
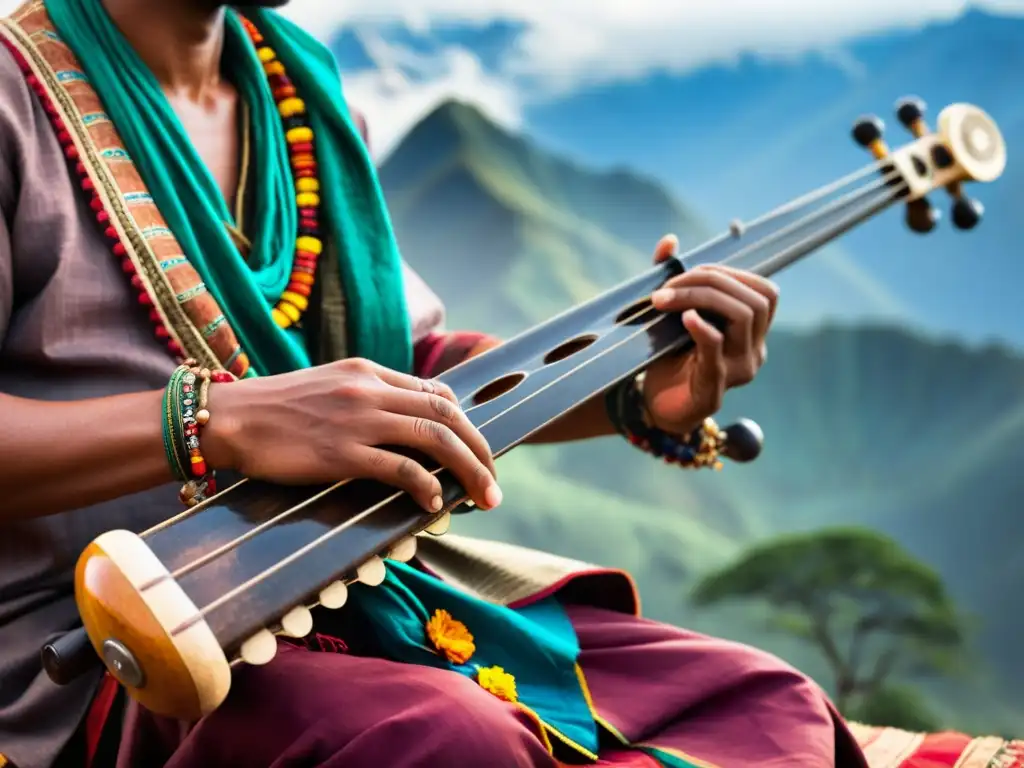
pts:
pixel 726 704
pixel 718 701
pixel 338 711
pixel 437 352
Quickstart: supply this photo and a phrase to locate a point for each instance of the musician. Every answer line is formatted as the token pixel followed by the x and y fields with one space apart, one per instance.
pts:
pixel 180 182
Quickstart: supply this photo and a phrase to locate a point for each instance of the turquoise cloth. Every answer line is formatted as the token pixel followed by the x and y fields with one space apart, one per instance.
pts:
pixel 536 644
pixel 353 215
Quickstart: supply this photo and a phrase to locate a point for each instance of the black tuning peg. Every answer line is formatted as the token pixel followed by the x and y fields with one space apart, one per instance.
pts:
pixel 910 112
pixel 867 132
pixel 743 441
pixel 69 657
pixel 967 212
pixel 922 216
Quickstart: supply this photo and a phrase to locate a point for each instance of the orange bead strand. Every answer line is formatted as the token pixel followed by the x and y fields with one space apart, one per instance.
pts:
pixel 301 140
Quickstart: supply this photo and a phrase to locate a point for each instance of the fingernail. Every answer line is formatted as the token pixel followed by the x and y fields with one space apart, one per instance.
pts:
pixel 437 503
pixel 493 496
pixel 661 296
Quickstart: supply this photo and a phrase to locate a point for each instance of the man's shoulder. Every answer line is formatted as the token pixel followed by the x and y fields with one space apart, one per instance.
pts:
pixel 16 100
pixel 12 79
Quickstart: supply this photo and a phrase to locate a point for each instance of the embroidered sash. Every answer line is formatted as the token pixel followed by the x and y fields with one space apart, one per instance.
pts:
pixel 185 315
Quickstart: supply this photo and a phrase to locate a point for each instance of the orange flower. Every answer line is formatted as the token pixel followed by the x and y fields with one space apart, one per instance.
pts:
pixel 450 637
pixel 499 682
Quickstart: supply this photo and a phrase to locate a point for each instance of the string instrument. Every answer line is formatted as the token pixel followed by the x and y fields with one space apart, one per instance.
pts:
pixel 171 611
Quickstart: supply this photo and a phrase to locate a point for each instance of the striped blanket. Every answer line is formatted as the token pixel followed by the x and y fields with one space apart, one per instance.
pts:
pixel 892 748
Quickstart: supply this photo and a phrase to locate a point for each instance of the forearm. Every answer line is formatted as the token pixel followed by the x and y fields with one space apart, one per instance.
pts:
pixel 588 419
pixel 58 456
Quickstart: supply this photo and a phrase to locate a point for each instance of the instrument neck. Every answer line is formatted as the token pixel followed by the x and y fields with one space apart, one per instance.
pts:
pixel 515 390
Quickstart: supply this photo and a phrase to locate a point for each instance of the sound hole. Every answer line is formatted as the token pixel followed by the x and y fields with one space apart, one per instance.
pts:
pixel 636 313
pixel 569 348
pixel 498 387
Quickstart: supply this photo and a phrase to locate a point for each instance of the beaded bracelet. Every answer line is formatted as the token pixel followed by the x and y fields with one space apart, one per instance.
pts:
pixel 174 446
pixel 627 410
pixel 185 411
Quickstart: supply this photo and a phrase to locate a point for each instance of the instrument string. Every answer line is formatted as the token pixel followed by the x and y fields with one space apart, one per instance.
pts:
pixel 861 192
pixel 817 194
pixel 873 201
pixel 789 229
pixel 793 205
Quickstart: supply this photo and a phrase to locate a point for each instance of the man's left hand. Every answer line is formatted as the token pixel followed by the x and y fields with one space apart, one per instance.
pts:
pixel 682 392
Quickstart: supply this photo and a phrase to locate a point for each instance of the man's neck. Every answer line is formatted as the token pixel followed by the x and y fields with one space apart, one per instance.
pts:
pixel 179 40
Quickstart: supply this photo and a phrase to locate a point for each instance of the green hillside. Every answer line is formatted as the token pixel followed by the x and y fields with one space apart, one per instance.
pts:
pixel 534 233
pixel 876 426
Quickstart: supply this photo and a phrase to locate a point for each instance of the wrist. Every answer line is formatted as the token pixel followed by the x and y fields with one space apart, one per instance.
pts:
pixel 683 427
pixel 679 443
pixel 221 437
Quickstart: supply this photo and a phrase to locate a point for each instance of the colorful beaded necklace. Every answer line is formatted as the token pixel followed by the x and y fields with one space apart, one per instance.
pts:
pixel 294 300
pixel 302 155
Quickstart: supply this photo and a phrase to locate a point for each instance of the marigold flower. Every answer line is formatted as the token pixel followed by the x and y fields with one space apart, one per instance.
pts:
pixel 497 681
pixel 450 637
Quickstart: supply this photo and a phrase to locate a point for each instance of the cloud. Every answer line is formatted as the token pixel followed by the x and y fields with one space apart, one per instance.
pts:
pixel 405 87
pixel 568 45
pixel 572 44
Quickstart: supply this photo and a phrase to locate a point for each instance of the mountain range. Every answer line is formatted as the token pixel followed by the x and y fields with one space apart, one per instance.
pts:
pixel 875 425
pixel 738 138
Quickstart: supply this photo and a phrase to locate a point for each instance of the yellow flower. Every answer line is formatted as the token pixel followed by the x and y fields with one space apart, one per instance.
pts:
pixel 497 681
pixel 450 637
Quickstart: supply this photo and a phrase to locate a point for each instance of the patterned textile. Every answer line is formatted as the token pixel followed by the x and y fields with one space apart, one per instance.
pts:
pixel 893 748
pixel 887 748
pixel 140 235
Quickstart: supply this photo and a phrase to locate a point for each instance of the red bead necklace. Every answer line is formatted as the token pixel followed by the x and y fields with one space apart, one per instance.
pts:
pixel 302 155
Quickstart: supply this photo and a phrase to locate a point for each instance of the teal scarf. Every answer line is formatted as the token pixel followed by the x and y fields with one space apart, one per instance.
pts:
pixel 353 216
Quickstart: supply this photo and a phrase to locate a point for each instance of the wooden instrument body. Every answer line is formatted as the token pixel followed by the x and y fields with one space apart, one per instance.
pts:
pixel 184 599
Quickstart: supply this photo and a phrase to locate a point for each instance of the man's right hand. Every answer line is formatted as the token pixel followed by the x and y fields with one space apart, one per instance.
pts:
pixel 329 423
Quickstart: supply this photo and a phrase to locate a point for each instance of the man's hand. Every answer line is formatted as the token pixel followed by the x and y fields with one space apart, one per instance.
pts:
pixel 681 393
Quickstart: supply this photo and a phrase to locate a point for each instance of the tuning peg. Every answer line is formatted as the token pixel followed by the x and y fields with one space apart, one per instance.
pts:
pixel 259 649
pixel 910 112
pixel 743 441
pixel 372 573
pixel 922 216
pixel 403 551
pixel 867 132
pixel 967 212
pixel 334 595
pixel 298 622
pixel 440 526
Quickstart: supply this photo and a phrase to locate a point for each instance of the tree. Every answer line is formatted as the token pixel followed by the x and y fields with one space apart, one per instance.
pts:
pixel 869 607
pixel 897 706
